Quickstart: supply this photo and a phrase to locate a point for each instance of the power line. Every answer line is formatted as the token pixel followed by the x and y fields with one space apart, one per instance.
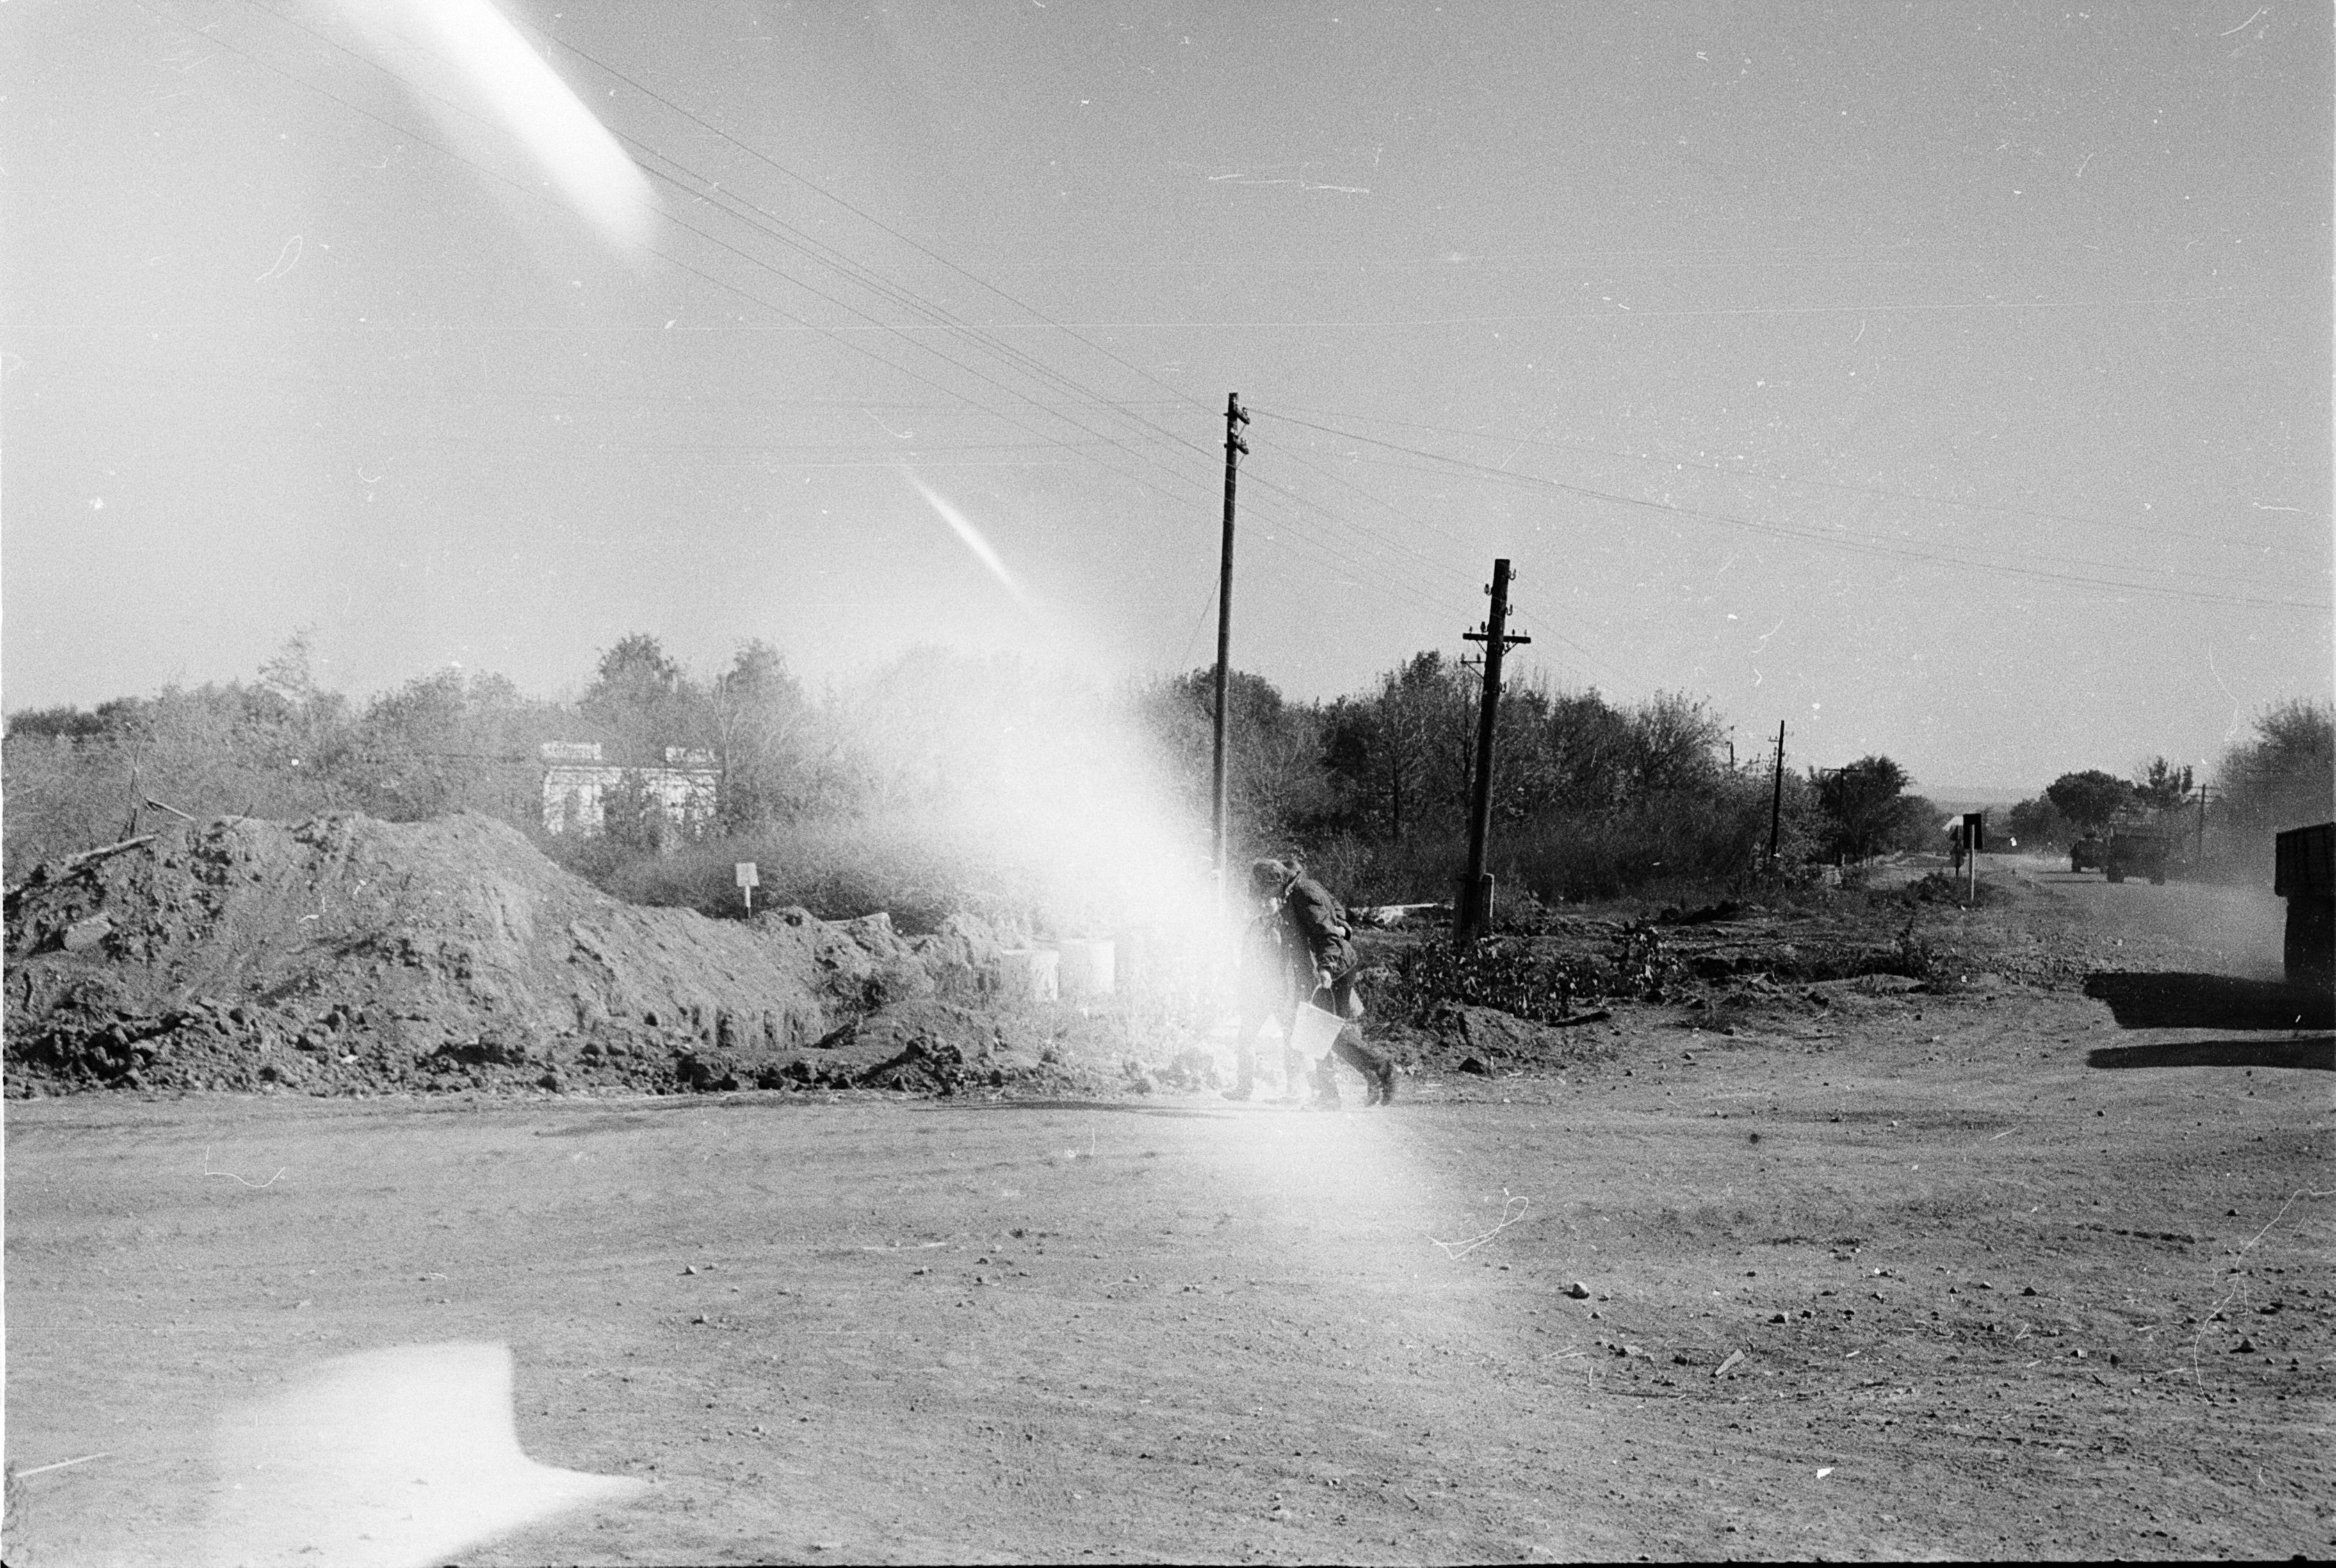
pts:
pixel 1038 368
pixel 902 295
pixel 1466 578
pixel 1780 530
pixel 1972 555
pixel 1291 532
pixel 714 239
pixel 1628 314
pixel 1778 479
pixel 865 216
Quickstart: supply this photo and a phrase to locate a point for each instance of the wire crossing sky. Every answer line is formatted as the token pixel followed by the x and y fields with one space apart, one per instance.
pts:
pixel 1946 381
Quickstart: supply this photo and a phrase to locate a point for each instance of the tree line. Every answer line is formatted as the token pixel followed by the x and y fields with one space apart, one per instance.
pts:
pixel 2281 776
pixel 864 791
pixel 1591 797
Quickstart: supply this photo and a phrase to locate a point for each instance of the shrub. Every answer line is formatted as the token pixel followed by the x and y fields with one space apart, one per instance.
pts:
pixel 837 870
pixel 1510 974
pixel 2283 777
pixel 1868 810
pixel 1943 888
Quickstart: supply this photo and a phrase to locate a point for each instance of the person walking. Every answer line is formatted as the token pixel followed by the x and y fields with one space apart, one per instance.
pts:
pixel 1274 970
pixel 1319 957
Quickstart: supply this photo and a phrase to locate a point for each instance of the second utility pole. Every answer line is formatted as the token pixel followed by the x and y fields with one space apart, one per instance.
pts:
pixel 1235 449
pixel 1777 801
pixel 1473 914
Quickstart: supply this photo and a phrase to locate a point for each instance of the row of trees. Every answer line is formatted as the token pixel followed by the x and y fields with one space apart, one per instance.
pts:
pixel 2281 776
pixel 2088 802
pixel 1394 763
pixel 1591 796
pixel 450 741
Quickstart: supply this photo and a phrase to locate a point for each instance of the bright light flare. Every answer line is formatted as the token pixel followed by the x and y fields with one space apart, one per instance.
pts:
pixel 970 537
pixel 1038 786
pixel 512 86
pixel 403 1456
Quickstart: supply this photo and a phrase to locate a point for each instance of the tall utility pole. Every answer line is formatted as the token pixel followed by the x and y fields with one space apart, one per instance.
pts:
pixel 1219 817
pixel 1473 915
pixel 1776 800
pixel 2202 823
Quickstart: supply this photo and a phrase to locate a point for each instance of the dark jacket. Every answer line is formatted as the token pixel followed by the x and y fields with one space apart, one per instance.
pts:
pixel 1316 925
pixel 1318 922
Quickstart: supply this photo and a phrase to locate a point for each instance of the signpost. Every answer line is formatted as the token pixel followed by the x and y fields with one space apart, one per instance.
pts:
pixel 748 880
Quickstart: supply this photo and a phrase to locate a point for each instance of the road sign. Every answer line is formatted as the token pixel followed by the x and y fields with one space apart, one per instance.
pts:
pixel 747 876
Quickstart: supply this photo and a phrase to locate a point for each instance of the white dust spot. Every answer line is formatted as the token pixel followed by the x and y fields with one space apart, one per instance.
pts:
pixel 408 1456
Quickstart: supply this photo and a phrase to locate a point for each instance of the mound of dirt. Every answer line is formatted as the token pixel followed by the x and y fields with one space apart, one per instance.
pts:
pixel 1462 1037
pixel 345 955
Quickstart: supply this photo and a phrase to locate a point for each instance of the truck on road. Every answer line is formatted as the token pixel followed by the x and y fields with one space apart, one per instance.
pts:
pixel 2305 874
pixel 2136 852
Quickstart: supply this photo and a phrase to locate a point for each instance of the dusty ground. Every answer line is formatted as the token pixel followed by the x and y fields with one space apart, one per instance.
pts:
pixel 2012 1270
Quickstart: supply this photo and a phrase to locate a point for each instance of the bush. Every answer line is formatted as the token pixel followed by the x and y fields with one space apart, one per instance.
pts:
pixel 1867 811
pixel 2284 777
pixel 1691 840
pixel 837 870
pixel 1509 974
pixel 63 796
pixel 1943 888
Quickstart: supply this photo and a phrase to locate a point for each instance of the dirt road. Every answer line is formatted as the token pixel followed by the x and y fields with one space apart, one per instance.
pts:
pixel 2219 930
pixel 1983 1274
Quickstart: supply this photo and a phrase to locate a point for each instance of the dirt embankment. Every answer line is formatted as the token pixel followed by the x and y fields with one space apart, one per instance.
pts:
pixel 350 956
pixel 346 955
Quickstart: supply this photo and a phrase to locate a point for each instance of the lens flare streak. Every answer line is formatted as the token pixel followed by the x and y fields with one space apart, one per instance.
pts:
pixel 970 537
pixel 527 99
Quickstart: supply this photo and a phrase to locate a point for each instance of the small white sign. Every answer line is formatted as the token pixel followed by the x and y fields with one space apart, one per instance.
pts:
pixel 747 876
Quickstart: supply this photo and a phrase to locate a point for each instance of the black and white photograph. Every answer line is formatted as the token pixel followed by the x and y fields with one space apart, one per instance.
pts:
pixel 1357 781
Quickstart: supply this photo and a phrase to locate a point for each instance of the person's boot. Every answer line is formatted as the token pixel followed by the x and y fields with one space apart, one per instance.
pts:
pixel 1325 1087
pixel 1383 1091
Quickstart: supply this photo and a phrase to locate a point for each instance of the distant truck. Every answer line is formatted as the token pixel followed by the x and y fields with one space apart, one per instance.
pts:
pixel 2129 851
pixel 2305 876
pixel 2136 852
pixel 2084 854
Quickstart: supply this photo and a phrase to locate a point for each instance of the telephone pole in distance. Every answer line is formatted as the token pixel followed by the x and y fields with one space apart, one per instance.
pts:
pixel 1219 817
pixel 1473 915
pixel 1776 800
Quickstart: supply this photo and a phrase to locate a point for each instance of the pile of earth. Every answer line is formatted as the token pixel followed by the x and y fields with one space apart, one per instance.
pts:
pixel 347 955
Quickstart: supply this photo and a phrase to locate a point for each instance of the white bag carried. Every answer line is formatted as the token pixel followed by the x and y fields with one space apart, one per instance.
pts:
pixel 1314 1030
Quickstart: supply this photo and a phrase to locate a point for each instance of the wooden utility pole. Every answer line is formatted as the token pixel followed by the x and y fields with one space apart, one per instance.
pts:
pixel 1473 912
pixel 1219 817
pixel 1776 800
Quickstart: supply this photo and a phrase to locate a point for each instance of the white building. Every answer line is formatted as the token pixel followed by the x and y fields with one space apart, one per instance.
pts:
pixel 578 786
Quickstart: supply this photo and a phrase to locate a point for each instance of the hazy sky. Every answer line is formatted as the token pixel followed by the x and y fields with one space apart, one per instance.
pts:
pixel 1946 380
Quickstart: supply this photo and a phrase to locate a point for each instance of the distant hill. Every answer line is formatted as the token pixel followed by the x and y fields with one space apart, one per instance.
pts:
pixel 1974 797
